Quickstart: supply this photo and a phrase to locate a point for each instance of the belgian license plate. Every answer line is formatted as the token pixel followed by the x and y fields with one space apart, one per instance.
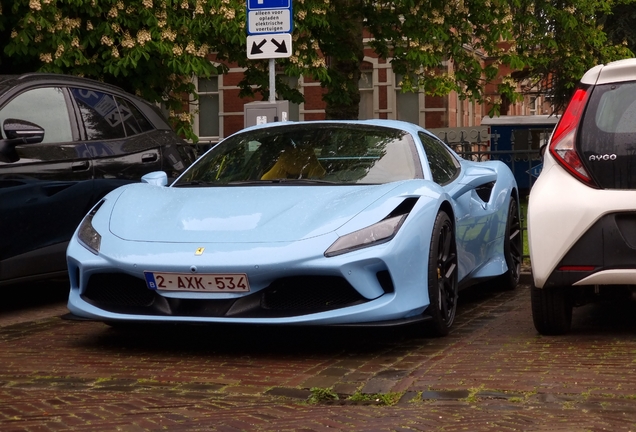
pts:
pixel 215 282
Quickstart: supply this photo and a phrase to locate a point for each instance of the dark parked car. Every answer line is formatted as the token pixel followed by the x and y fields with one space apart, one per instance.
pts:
pixel 65 143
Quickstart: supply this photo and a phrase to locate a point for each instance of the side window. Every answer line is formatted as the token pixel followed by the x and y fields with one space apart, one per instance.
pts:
pixel 101 117
pixel 45 107
pixel 134 122
pixel 444 167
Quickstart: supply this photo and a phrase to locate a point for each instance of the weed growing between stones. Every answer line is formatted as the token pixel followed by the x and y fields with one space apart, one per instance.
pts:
pixel 319 395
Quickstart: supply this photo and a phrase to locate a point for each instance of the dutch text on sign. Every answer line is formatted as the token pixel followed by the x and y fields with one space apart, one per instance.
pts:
pixel 269 21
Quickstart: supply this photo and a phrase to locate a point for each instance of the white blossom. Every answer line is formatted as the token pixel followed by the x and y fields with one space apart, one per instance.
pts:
pixel 106 41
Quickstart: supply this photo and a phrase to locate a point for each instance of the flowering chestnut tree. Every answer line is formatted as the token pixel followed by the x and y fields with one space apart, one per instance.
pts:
pixel 149 47
pixel 556 42
pixel 154 47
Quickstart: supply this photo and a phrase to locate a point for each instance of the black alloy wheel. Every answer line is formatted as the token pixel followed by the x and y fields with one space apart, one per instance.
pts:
pixel 513 248
pixel 442 275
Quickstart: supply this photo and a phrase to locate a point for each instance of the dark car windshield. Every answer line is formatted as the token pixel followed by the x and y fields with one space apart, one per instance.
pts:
pixel 321 153
pixel 607 138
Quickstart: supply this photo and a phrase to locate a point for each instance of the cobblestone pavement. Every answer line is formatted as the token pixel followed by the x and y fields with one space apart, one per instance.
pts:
pixel 493 372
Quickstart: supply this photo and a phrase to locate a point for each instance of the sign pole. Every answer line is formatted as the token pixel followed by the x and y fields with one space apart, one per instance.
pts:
pixel 269 27
pixel 272 80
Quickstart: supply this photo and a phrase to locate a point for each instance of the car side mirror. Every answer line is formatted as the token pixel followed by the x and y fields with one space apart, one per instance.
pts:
pixel 18 132
pixel 157 178
pixel 22 132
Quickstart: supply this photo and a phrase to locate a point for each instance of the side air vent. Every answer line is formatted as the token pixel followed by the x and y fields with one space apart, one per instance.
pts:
pixel 404 208
pixel 484 191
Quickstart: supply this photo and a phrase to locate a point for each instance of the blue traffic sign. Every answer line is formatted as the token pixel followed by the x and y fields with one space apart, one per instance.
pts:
pixel 268 4
pixel 535 170
pixel 269 17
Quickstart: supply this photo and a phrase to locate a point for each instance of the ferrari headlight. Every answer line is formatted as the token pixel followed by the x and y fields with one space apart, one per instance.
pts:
pixel 378 233
pixel 87 235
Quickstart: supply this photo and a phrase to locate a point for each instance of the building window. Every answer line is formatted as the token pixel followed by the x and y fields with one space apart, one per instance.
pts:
pixel 533 106
pixel 407 104
pixel 365 84
pixel 207 124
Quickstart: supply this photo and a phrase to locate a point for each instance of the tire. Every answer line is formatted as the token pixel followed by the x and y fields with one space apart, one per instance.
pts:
pixel 513 249
pixel 442 276
pixel 551 310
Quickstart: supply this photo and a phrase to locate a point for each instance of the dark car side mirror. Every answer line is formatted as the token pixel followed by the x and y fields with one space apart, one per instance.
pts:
pixel 18 132
pixel 22 132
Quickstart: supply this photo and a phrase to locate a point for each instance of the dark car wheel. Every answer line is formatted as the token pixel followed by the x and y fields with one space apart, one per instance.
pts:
pixel 551 310
pixel 442 275
pixel 513 249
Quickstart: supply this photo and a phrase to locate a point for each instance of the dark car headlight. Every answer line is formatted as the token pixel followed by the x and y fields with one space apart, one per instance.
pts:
pixel 87 235
pixel 375 234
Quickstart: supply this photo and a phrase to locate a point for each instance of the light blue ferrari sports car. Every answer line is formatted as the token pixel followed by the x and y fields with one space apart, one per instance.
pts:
pixel 373 222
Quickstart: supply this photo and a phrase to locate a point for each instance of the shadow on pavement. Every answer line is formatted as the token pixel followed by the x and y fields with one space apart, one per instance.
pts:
pixel 247 340
pixel 34 294
pixel 605 318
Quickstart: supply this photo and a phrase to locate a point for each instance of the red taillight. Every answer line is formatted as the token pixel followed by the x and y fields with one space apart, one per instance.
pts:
pixel 562 145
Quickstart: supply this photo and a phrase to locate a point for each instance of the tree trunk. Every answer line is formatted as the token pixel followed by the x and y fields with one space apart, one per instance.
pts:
pixel 344 57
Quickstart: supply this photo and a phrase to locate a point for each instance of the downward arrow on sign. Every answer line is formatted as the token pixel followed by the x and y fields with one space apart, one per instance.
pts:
pixel 256 49
pixel 280 47
pixel 269 46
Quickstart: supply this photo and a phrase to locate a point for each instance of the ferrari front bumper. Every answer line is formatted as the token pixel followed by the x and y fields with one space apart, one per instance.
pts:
pixel 288 284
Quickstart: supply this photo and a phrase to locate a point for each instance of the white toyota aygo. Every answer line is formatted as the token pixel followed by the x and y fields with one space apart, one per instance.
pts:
pixel 582 208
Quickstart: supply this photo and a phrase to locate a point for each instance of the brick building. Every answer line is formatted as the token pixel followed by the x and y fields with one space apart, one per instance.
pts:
pixel 219 111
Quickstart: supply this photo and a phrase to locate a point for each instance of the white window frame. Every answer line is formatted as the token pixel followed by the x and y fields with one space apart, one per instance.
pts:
pixel 194 108
pixel 369 90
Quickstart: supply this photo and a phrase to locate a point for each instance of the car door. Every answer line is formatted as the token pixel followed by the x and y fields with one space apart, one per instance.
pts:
pixel 45 187
pixel 471 214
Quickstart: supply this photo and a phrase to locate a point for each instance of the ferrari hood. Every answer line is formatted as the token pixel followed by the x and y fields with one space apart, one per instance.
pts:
pixel 237 214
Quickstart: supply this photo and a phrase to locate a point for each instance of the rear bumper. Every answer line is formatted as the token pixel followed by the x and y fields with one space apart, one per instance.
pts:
pixel 604 255
pixel 575 231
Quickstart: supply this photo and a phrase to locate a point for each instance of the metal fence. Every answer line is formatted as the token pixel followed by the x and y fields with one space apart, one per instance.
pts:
pixel 524 164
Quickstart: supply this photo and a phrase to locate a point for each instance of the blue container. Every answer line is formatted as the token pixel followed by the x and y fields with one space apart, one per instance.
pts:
pixel 516 140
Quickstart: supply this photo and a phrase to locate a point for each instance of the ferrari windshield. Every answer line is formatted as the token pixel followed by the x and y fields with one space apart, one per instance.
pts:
pixel 320 153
